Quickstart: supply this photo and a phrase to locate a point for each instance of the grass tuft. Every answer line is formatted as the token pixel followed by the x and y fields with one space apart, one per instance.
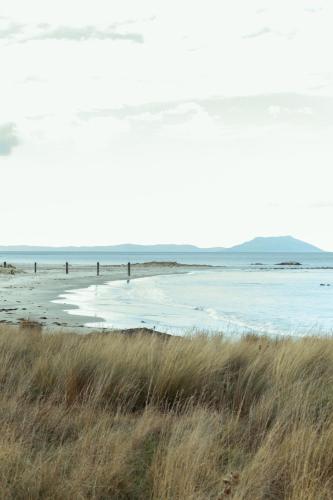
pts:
pixel 139 417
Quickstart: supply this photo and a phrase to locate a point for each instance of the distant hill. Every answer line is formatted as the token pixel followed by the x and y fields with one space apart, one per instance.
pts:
pixel 285 244
pixel 125 248
pixel 164 248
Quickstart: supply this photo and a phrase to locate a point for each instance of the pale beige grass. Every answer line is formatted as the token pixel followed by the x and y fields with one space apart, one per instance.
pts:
pixel 111 416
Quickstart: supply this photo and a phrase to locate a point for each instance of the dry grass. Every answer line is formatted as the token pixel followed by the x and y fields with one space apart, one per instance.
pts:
pixel 111 416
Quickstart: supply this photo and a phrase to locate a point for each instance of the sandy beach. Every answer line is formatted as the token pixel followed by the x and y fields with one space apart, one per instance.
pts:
pixel 25 295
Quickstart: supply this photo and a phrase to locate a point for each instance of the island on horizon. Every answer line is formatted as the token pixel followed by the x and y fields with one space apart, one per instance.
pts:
pixel 269 244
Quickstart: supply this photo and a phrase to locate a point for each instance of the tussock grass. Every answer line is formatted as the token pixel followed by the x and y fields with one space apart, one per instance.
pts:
pixel 112 416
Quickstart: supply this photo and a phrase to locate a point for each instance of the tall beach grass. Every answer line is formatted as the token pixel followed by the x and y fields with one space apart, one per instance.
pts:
pixel 140 417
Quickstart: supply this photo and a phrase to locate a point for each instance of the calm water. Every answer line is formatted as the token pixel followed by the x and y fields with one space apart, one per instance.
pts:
pixel 240 297
pixel 236 260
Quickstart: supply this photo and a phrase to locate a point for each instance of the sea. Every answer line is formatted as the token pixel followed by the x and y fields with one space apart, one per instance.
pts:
pixel 244 293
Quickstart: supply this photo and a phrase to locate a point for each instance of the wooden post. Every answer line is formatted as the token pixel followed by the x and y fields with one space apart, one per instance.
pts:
pixel 97 268
pixel 35 267
pixel 129 269
pixel 5 264
pixel 66 267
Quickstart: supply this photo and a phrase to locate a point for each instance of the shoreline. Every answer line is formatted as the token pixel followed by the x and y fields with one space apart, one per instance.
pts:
pixel 28 296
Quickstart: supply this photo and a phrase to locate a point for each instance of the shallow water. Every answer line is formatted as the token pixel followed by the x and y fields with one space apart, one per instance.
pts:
pixel 250 299
pixel 227 259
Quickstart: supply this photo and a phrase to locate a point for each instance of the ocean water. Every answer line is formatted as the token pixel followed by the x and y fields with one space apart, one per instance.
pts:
pixel 235 299
pixel 249 292
pixel 227 259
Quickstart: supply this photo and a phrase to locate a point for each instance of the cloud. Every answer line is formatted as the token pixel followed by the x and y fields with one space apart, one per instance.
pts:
pixel 8 138
pixel 313 10
pixel 323 204
pixel 267 31
pixel 21 33
pixel 32 79
pixel 131 111
pixel 256 34
pixel 10 30
pixel 261 110
pixel 83 33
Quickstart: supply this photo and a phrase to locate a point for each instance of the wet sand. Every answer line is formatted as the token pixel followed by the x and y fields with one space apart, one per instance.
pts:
pixel 28 296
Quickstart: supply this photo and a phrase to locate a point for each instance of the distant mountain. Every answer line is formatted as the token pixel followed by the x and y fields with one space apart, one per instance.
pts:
pixel 163 248
pixel 125 248
pixel 285 244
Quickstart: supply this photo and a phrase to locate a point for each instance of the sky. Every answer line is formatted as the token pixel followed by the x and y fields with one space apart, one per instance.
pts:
pixel 204 122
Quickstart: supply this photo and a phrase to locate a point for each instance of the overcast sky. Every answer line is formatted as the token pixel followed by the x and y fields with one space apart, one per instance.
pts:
pixel 205 122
